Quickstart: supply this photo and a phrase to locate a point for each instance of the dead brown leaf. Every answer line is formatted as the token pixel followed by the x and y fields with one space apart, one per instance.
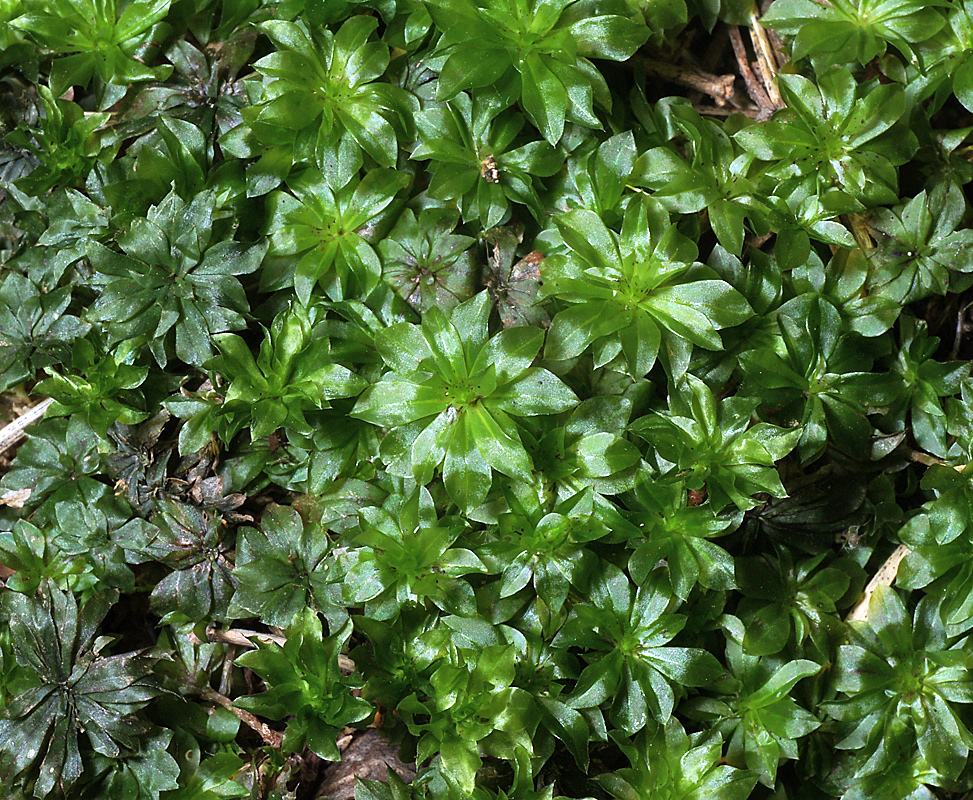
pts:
pixel 368 756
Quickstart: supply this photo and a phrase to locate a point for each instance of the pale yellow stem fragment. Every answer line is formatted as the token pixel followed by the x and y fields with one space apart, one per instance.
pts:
pixel 884 577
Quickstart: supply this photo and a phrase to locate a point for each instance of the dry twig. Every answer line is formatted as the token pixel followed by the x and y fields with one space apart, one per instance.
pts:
pixel 719 87
pixel 755 88
pixel 766 60
pixel 15 431
pixel 927 459
pixel 271 737
pixel 716 111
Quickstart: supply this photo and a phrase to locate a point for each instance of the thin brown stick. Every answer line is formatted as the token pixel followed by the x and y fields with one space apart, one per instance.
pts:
pixel 778 45
pixel 754 88
pixel 226 677
pixel 719 87
pixel 961 328
pixel 271 737
pixel 921 457
pixel 927 459
pixel 766 81
pixel 716 111
pixel 242 638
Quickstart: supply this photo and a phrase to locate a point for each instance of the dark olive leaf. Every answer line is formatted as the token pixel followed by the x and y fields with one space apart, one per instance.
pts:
pixel 678 533
pixel 922 247
pixel 405 557
pixel 757 715
pixel 703 173
pixel 97 385
pixel 426 262
pixel 632 670
pixel 186 289
pixel 493 714
pixel 631 295
pixel 328 85
pixel 66 142
pixel 466 419
pixel 144 773
pixel 75 690
pixel 713 448
pixel 37 331
pixel 514 282
pixel 139 462
pixel 841 115
pixel 786 600
pixel 480 160
pixel 322 220
pixel 203 88
pixel 59 461
pixel 821 381
pixel 284 567
pixel 190 543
